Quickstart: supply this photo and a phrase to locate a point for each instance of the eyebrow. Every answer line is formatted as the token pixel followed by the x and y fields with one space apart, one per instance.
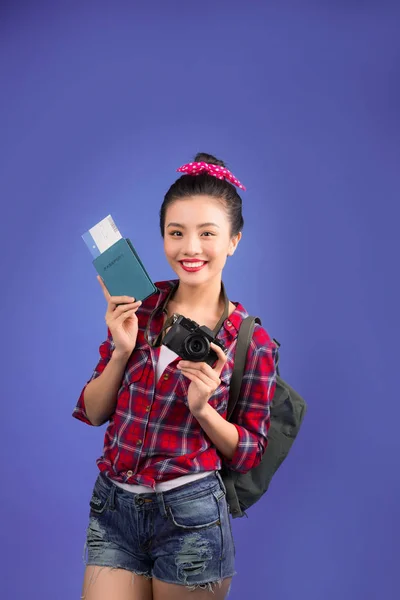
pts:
pixel 198 226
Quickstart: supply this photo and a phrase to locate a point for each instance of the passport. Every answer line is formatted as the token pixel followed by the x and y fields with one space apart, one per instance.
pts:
pixel 117 262
pixel 123 272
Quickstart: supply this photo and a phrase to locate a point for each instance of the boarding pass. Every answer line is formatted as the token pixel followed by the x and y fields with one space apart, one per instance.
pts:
pixel 102 236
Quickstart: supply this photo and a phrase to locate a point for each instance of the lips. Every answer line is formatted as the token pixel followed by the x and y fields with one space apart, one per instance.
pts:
pixel 192 265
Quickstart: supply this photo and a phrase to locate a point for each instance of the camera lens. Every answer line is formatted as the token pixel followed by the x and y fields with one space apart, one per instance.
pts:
pixel 197 347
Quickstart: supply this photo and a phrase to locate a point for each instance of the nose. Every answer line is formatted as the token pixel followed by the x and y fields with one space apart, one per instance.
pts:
pixel 192 246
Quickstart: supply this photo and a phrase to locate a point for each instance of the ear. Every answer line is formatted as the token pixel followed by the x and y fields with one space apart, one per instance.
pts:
pixel 233 243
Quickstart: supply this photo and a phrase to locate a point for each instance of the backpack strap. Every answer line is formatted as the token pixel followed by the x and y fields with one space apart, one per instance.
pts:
pixel 277 344
pixel 242 345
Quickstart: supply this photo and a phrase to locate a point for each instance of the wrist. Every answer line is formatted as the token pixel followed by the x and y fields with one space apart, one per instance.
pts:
pixel 120 356
pixel 203 413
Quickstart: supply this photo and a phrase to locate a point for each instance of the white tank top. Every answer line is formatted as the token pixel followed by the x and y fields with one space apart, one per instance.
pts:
pixel 165 358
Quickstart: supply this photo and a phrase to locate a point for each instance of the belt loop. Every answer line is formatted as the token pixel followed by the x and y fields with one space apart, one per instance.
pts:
pixel 218 475
pixel 111 499
pixel 161 504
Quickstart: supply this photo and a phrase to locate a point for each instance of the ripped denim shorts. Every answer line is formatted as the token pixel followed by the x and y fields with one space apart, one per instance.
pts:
pixel 182 536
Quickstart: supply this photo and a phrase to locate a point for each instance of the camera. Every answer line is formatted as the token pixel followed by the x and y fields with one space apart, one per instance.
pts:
pixel 192 342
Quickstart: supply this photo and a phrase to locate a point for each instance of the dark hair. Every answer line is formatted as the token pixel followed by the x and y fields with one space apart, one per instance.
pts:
pixel 207 185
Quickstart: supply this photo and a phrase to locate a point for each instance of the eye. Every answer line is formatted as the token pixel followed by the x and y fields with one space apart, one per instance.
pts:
pixel 175 233
pixel 208 233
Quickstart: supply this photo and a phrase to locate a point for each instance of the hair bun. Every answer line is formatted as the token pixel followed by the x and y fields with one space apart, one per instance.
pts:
pixel 208 158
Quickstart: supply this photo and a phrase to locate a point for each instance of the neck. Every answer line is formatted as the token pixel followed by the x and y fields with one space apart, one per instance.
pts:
pixel 205 296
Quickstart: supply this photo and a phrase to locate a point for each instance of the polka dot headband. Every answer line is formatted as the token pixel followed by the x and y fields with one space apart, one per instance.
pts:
pixel 195 168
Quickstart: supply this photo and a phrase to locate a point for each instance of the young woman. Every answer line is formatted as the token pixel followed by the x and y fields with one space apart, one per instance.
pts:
pixel 159 525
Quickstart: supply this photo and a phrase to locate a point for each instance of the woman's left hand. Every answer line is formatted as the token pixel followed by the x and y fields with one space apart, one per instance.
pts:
pixel 204 380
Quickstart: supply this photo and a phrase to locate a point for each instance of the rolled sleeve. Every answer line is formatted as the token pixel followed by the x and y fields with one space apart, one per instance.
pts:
pixel 251 415
pixel 105 351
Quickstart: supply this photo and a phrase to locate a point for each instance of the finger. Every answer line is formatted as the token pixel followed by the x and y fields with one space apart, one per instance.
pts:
pixel 122 299
pixel 205 367
pixel 221 361
pixel 124 307
pixel 115 317
pixel 113 311
pixel 198 366
pixel 211 382
pixel 192 364
pixel 126 315
pixel 114 299
pixel 194 377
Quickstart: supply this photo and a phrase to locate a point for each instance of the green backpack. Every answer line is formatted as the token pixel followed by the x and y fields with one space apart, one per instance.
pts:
pixel 287 412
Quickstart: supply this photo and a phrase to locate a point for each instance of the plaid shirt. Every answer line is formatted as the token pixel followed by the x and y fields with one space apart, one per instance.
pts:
pixel 152 435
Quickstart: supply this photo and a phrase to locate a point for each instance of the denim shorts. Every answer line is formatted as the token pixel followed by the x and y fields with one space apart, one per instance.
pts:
pixel 182 536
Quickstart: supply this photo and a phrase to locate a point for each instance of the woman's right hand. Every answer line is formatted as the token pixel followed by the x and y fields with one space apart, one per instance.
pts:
pixel 121 320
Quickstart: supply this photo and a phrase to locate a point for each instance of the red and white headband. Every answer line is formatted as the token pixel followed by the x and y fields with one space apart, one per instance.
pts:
pixel 195 168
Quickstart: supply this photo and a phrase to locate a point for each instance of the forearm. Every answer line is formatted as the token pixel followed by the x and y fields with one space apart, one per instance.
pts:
pixel 223 434
pixel 100 395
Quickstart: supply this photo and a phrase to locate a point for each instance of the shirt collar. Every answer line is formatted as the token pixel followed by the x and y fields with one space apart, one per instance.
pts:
pixel 227 333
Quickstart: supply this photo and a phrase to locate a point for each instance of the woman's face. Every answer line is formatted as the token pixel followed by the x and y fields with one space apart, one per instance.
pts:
pixel 197 238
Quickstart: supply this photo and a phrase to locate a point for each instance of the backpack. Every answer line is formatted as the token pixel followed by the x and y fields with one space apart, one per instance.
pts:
pixel 286 415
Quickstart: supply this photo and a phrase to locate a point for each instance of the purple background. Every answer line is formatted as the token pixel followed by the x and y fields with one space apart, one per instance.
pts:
pixel 99 104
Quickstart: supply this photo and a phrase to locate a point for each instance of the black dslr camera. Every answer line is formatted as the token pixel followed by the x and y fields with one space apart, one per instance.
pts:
pixel 192 342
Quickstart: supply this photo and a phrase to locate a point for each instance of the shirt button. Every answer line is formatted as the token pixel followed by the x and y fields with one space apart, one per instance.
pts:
pixel 148 408
pixel 139 443
pixel 129 473
pixel 166 376
pixel 229 324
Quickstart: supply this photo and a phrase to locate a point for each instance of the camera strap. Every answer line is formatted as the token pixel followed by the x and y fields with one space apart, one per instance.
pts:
pixel 170 320
pixel 225 314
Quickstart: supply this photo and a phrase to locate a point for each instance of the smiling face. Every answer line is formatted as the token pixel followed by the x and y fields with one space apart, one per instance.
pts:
pixel 197 239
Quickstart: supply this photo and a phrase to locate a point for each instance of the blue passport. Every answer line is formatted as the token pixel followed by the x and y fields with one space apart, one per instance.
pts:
pixel 123 272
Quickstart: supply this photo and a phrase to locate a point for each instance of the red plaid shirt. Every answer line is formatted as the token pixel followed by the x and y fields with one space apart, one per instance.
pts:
pixel 152 435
